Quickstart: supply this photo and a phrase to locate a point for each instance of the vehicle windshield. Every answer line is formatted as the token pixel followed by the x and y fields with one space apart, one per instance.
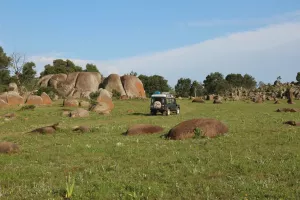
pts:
pixel 170 101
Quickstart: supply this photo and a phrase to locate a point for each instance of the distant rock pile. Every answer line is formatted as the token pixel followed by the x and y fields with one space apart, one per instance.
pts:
pixel 82 84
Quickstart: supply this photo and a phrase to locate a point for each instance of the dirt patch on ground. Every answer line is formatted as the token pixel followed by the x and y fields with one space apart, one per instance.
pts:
pixel 139 129
pixel 209 128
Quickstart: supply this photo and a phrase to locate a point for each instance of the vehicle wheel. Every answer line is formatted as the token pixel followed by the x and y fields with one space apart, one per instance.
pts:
pixel 177 111
pixel 153 113
pixel 168 112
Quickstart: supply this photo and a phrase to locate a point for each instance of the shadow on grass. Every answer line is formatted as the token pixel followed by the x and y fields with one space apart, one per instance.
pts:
pixel 146 114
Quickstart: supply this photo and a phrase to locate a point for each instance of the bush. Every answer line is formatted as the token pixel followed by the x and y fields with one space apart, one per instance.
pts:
pixel 28 107
pixel 3 88
pixel 50 91
pixel 93 98
pixel 116 94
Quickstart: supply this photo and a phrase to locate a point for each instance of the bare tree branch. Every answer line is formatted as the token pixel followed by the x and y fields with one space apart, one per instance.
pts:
pixel 17 63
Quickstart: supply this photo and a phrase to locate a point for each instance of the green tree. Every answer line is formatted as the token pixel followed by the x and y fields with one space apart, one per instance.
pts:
pixel 61 66
pixel 4 77
pixel 132 73
pixel 196 89
pixel 249 82
pixel 216 84
pixel 28 73
pixel 4 60
pixel 278 78
pixel 154 83
pixel 91 68
pixel 298 77
pixel 235 80
pixel 182 88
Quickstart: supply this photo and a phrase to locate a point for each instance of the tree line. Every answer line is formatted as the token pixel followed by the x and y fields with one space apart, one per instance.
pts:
pixel 15 68
pixel 214 83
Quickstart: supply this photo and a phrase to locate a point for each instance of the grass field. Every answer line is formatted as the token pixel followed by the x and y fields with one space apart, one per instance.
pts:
pixel 259 158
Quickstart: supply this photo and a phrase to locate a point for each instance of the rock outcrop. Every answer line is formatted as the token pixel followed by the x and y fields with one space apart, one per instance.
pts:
pixel 104 103
pixel 34 100
pixel 113 82
pixel 79 112
pixel 13 87
pixel 76 84
pixel 46 99
pixel 133 86
pixel 11 98
pixel 3 104
pixel 81 84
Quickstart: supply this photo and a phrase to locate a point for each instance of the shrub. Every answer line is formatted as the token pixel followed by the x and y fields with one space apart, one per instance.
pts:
pixel 93 98
pixel 94 95
pixel 28 107
pixel 198 132
pixel 3 88
pixel 116 94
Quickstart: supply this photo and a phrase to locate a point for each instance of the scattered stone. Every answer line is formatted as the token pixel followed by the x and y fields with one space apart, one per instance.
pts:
pixel 84 104
pixel 105 104
pixel 3 104
pixel 209 128
pixel 210 97
pixel 217 101
pixel 82 129
pixel 46 130
pixel 277 102
pixel 288 110
pixel 66 113
pixel 9 147
pixel 34 100
pixel 10 116
pixel 139 129
pixel 124 97
pixel 198 100
pixel 70 102
pixel 79 112
pixel 292 123
pixel 258 99
pixel 13 87
pixel 13 98
pixel 290 96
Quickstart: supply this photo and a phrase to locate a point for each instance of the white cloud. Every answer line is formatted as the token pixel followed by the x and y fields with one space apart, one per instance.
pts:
pixel 264 53
pixel 283 18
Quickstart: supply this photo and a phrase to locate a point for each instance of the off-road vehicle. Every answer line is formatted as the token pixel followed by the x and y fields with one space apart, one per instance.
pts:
pixel 164 103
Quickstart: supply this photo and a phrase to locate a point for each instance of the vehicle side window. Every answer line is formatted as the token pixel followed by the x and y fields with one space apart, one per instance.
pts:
pixel 170 101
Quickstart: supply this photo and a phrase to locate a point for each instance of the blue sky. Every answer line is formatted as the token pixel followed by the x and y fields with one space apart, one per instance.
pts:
pixel 120 36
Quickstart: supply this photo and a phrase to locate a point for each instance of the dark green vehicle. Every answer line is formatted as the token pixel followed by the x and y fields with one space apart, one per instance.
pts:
pixel 164 103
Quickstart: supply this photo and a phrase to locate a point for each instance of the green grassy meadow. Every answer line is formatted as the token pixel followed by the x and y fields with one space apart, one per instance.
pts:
pixel 259 158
